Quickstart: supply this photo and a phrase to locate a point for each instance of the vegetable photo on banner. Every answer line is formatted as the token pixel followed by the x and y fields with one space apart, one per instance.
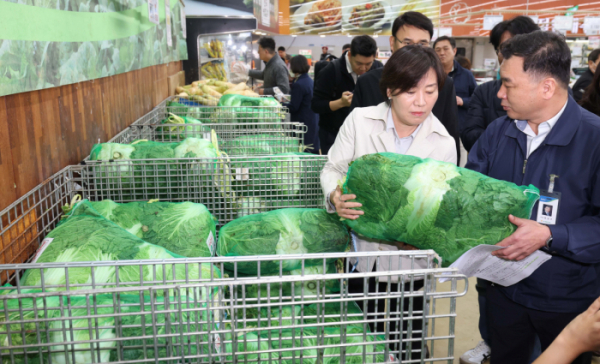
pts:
pixel 433 205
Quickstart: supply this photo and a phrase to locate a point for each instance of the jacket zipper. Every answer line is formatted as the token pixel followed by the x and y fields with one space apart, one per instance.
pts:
pixel 524 166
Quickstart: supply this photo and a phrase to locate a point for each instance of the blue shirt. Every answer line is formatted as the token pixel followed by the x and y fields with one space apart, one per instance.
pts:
pixel 570 281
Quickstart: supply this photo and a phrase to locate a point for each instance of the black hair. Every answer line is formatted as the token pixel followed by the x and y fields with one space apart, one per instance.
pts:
pixel 414 19
pixel 593 56
pixel 407 66
pixel 496 34
pixel 591 98
pixel 363 45
pixel 445 37
pixel 346 46
pixel 464 62
pixel 268 44
pixel 543 53
pixel 521 25
pixel 299 65
pixel 281 49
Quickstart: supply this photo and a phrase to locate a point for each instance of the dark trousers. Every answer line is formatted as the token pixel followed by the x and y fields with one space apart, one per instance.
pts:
pixel 326 139
pixel 376 310
pixel 512 329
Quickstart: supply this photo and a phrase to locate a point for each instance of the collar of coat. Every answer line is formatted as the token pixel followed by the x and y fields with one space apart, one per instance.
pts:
pixel 563 131
pixel 422 145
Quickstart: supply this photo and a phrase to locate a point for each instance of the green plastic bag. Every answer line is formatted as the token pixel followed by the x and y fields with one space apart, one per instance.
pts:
pixel 285 231
pixel 185 228
pixel 433 205
pixel 190 128
pixel 262 144
pixel 86 236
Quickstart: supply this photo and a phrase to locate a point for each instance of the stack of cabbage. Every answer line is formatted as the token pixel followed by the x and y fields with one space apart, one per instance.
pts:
pixel 261 144
pixel 282 232
pixel 303 342
pixel 186 228
pixel 190 128
pixel 433 205
pixel 130 336
pixel 245 109
pixel 87 236
pixel 134 175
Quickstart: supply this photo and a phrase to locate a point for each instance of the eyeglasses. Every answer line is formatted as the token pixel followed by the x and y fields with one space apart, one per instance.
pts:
pixel 422 43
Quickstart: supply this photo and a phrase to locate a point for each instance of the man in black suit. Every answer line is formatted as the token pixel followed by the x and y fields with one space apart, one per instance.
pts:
pixel 411 28
pixel 334 87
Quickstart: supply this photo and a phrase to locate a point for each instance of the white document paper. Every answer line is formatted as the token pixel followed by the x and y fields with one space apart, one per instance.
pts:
pixel 479 262
pixel 563 22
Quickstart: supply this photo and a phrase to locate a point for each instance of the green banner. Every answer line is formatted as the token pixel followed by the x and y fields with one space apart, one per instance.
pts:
pixel 61 45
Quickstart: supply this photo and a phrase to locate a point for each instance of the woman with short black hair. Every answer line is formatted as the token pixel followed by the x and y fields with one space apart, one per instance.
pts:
pixel 299 106
pixel 402 124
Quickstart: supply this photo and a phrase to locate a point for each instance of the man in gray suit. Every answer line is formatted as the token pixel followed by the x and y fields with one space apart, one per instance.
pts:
pixel 275 73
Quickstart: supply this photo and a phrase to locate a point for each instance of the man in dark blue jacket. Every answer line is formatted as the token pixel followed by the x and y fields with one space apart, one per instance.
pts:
pixel 545 137
pixel 464 81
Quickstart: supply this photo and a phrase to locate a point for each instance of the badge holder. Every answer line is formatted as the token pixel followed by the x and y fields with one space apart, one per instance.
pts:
pixel 547 213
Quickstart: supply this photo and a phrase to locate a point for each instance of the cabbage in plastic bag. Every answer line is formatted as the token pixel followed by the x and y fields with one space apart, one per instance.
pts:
pixel 285 231
pixel 433 205
pixel 185 228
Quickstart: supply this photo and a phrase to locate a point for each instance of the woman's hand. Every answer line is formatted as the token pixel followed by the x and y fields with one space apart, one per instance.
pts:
pixel 343 208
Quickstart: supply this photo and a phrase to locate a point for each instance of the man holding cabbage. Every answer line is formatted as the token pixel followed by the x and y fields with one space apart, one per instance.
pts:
pixel 548 141
pixel 402 124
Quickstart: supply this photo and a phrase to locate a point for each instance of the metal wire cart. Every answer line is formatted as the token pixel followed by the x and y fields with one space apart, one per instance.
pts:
pixel 210 310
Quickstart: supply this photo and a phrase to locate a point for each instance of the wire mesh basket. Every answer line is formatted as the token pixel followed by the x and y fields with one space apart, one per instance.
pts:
pixel 313 316
pixel 216 114
pixel 228 187
pixel 252 139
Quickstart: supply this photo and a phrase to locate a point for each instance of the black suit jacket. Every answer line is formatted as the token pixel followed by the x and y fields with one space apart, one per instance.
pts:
pixel 327 89
pixel 581 84
pixel 366 93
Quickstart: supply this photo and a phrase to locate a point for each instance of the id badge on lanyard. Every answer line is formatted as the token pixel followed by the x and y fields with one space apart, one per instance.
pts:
pixel 547 213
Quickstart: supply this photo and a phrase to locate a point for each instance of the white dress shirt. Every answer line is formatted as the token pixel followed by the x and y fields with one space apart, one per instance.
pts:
pixel 535 140
pixel 349 68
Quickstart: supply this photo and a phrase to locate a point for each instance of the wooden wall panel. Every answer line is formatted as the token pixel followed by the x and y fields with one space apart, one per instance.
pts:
pixel 43 131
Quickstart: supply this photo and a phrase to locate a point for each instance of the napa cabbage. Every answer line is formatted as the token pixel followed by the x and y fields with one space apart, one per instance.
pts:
pixel 433 205
pixel 282 232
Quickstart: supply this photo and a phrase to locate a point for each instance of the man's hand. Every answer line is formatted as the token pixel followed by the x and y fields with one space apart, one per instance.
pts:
pixel 529 237
pixel 343 208
pixel 346 98
pixel 459 101
pixel 260 91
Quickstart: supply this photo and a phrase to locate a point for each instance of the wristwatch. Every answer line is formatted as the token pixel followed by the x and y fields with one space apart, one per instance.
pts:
pixel 549 243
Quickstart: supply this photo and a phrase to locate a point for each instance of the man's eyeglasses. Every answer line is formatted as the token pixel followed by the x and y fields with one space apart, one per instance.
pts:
pixel 422 43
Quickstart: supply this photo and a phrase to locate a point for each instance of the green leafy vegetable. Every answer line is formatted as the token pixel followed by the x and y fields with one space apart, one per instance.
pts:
pixel 187 229
pixel 286 231
pixel 86 236
pixel 433 205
